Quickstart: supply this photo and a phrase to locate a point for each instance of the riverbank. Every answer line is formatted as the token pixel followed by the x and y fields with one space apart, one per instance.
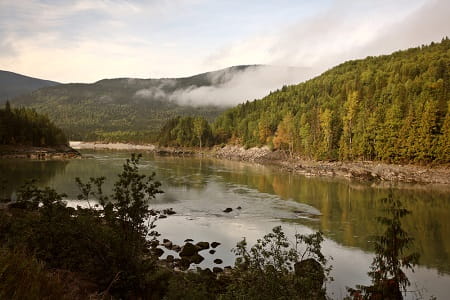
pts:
pixel 358 170
pixel 29 152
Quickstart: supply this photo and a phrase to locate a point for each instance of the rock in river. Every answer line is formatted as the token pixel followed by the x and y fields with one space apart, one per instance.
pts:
pixel 188 250
pixel 215 244
pixel 202 245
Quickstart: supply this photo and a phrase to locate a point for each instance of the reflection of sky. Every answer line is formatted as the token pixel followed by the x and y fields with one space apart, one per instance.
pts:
pixel 199 191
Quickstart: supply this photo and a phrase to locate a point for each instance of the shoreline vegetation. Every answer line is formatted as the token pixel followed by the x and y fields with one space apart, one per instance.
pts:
pixel 359 170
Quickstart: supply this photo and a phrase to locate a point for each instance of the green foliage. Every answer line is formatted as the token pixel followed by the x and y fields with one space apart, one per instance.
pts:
pixel 186 132
pixel 20 126
pixel 277 270
pixel 122 109
pixel 107 243
pixel 392 108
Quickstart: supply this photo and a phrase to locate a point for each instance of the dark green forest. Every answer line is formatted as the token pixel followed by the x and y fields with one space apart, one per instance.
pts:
pixel 25 127
pixel 13 85
pixel 122 109
pixel 392 108
pixel 186 132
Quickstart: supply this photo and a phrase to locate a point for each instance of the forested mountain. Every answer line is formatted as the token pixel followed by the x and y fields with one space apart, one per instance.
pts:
pixel 392 108
pixel 13 85
pixel 25 127
pixel 125 109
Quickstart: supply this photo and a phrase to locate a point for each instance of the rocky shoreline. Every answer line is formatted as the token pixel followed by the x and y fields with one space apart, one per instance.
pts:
pixel 38 153
pixel 360 170
pixel 356 170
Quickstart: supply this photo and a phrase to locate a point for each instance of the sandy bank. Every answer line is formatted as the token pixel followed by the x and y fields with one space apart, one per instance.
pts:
pixel 110 146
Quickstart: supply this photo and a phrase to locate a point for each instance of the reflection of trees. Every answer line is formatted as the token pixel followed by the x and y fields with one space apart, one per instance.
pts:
pixel 349 210
pixel 14 172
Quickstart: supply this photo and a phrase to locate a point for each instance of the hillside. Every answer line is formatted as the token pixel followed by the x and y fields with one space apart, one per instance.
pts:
pixel 130 109
pixel 13 85
pixel 392 108
pixel 25 127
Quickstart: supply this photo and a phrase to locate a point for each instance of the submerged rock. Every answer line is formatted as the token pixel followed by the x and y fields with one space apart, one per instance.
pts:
pixel 202 245
pixel 215 244
pixel 188 250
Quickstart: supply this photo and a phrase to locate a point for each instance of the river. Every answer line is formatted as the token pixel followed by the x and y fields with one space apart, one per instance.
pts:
pixel 200 189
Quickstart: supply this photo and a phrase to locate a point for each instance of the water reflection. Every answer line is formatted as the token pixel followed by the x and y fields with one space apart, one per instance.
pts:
pixel 15 172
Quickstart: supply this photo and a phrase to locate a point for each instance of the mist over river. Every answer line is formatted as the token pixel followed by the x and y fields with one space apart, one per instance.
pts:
pixel 200 189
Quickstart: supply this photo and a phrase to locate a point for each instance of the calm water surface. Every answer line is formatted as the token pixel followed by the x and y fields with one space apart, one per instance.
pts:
pixel 200 189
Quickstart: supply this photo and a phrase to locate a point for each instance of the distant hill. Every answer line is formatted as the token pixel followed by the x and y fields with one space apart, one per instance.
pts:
pixel 130 109
pixel 13 85
pixel 393 108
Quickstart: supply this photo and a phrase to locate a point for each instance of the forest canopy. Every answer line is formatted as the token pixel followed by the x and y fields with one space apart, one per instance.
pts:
pixel 392 108
pixel 22 126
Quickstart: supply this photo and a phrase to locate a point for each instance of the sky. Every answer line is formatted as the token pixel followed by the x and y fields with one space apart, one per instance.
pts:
pixel 88 40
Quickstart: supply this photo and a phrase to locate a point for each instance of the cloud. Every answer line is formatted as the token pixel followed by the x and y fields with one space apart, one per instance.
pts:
pixel 86 41
pixel 228 87
pixel 346 30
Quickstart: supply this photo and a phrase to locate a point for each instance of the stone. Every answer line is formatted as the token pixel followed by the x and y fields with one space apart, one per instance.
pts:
pixel 227 210
pixel 238 207
pixel 202 245
pixel 188 250
pixel 217 270
pixel 176 248
pixel 169 211
pixel 218 261
pixel 212 251
pixel 311 270
pixel 196 258
pixel 168 245
pixel 170 258
pixel 215 244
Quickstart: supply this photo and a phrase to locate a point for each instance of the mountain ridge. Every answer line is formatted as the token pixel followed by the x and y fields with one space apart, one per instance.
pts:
pixel 14 84
pixel 117 105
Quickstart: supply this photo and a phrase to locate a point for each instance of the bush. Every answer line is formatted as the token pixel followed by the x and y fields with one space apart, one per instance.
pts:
pixel 277 270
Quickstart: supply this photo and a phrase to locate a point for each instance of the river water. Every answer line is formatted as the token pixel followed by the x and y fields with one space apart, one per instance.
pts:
pixel 200 189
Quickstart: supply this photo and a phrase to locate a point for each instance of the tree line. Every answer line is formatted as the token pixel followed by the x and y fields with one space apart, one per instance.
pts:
pixel 392 108
pixel 22 126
